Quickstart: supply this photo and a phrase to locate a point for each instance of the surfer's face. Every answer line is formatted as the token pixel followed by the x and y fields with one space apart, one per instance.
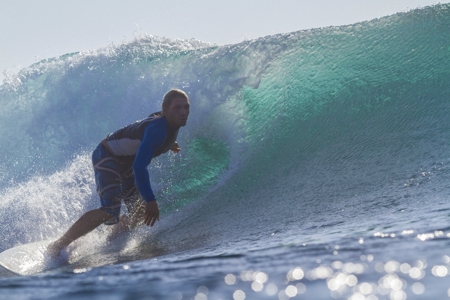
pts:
pixel 178 112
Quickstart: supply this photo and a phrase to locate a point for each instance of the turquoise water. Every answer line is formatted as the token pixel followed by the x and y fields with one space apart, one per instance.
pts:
pixel 314 165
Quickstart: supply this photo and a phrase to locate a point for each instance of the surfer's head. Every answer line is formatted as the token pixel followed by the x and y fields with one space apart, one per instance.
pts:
pixel 169 96
pixel 176 107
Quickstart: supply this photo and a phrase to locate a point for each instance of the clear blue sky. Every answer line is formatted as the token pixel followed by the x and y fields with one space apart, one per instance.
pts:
pixel 33 30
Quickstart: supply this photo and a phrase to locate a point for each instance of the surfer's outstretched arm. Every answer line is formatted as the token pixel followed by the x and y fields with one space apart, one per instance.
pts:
pixel 85 224
pixel 151 140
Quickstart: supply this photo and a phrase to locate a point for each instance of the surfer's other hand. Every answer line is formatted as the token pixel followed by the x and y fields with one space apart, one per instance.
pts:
pixel 151 213
pixel 175 148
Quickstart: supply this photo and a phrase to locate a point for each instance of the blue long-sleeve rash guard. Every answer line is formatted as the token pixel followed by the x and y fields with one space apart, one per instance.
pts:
pixel 138 144
pixel 151 141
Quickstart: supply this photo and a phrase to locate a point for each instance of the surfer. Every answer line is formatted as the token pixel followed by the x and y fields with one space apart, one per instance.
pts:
pixel 120 164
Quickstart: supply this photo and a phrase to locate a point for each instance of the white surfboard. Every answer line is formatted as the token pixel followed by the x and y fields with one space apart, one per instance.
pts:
pixel 26 259
pixel 32 258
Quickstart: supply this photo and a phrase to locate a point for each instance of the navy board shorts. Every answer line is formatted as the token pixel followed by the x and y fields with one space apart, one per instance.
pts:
pixel 115 182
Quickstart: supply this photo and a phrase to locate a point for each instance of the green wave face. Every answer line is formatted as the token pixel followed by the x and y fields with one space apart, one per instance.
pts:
pixel 198 171
pixel 331 79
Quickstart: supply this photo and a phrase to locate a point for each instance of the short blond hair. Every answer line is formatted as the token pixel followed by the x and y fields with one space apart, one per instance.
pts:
pixel 169 96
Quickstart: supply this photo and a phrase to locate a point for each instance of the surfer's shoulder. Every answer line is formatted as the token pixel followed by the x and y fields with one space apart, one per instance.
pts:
pixel 156 129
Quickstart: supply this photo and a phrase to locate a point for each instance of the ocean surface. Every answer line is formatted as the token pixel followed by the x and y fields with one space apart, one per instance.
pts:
pixel 315 165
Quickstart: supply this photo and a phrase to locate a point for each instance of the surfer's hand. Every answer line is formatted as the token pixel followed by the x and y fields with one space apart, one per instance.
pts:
pixel 151 213
pixel 175 148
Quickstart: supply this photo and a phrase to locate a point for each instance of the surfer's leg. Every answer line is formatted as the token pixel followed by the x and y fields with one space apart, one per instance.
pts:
pixel 129 195
pixel 108 181
pixel 136 215
pixel 85 224
pixel 134 203
pixel 117 229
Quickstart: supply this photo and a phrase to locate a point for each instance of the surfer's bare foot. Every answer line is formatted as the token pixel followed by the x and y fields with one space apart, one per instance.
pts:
pixel 54 248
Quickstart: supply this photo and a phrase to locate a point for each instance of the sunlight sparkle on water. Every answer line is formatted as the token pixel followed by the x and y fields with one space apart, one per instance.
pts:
pixel 291 291
pixel 439 271
pixel 260 277
pixel 343 279
pixel 257 286
pixel 295 274
pixel 230 279
pixel 271 289
pixel 418 288
pixel 404 268
pixel 239 295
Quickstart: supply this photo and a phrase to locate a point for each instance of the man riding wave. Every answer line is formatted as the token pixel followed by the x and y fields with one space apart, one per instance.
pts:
pixel 120 164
